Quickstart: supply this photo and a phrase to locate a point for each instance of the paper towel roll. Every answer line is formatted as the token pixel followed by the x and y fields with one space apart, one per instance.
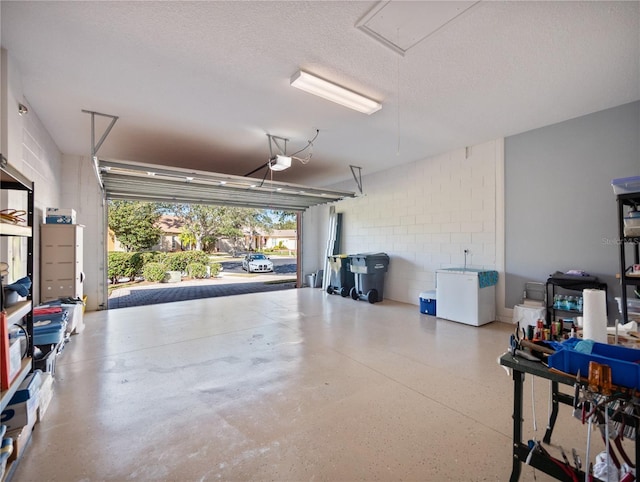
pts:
pixel 595 316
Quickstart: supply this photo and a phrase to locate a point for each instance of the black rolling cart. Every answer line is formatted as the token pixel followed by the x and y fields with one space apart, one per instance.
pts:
pixel 560 283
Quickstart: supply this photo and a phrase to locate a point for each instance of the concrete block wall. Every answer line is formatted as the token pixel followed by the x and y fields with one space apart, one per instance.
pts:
pixel 425 214
pixel 85 196
pixel 30 149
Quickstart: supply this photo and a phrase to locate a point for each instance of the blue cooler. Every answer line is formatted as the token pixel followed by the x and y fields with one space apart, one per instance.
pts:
pixel 428 302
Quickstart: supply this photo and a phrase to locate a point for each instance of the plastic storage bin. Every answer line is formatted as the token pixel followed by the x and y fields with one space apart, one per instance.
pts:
pixel 48 332
pixel 631 222
pixel 625 371
pixel 368 270
pixel 428 302
pixel 342 279
pixel 626 185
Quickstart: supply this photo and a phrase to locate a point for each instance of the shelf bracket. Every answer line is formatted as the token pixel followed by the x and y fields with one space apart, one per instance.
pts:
pixel 95 147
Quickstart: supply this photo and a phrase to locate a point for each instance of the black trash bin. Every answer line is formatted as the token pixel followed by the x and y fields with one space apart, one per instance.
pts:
pixel 342 279
pixel 369 270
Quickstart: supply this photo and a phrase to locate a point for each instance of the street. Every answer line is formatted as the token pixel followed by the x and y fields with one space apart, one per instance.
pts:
pixel 284 266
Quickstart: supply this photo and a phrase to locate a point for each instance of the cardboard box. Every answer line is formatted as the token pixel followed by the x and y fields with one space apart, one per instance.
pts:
pixel 60 216
pixel 21 414
pixel 29 388
pixel 45 395
pixel 21 437
pixel 15 357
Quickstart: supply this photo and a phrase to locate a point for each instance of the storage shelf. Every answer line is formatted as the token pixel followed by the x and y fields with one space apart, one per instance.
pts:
pixel 576 285
pixel 633 243
pixel 17 311
pixel 5 395
pixel 12 180
pixel 576 312
pixel 7 229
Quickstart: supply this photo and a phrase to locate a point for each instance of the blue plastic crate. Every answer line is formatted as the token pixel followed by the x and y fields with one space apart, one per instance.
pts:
pixel 624 362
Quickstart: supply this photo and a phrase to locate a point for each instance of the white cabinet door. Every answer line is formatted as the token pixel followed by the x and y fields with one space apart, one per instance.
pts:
pixel 61 264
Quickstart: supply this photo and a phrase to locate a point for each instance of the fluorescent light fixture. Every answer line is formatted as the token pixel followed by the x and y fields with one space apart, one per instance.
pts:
pixel 330 91
pixel 280 163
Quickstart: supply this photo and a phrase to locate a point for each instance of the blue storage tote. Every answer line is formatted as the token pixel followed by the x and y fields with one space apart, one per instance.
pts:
pixel 624 362
pixel 48 332
pixel 428 302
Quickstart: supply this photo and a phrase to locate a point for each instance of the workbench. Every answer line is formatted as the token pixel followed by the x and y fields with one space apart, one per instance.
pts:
pixel 519 366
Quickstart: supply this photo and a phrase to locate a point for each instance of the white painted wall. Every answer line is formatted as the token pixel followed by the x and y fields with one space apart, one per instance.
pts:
pixel 423 215
pixel 30 149
pixel 67 182
pixel 82 192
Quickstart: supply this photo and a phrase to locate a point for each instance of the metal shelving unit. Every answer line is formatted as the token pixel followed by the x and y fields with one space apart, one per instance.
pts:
pixel 633 242
pixel 13 180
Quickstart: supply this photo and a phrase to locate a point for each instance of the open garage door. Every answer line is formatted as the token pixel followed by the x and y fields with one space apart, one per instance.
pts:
pixel 154 183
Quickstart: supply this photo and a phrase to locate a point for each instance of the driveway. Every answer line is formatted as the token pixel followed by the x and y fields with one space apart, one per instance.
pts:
pixel 233 281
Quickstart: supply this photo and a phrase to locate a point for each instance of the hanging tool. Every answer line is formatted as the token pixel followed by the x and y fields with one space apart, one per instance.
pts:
pixel 565 467
pixel 576 459
pixel 587 473
pixel 515 348
pixel 537 347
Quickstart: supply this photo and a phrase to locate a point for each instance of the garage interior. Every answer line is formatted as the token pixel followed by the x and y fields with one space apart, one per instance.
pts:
pixel 499 130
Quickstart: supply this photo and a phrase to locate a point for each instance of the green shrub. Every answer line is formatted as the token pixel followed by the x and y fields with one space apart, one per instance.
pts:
pixel 123 265
pixel 152 257
pixel 196 270
pixel 215 269
pixel 154 272
pixel 179 261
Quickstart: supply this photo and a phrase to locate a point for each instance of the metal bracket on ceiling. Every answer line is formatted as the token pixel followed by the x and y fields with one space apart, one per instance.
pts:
pixel 357 177
pixel 273 140
pixel 96 146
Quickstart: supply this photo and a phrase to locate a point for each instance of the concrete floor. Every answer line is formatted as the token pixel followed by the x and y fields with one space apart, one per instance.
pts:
pixel 291 385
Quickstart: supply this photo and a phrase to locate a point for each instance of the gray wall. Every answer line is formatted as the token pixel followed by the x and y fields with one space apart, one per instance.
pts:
pixel 560 209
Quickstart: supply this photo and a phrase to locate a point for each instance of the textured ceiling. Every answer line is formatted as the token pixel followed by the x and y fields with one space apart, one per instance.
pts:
pixel 200 84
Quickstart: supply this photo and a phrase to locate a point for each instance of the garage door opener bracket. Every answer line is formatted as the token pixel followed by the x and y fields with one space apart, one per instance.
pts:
pixel 96 146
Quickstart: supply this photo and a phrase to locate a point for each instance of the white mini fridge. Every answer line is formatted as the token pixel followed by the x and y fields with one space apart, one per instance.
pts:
pixel 466 296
